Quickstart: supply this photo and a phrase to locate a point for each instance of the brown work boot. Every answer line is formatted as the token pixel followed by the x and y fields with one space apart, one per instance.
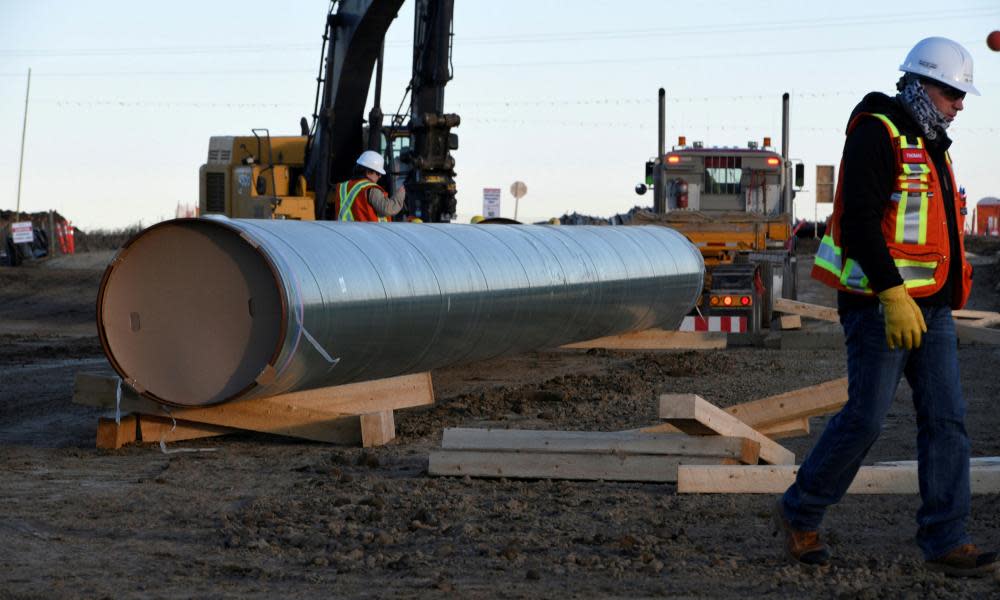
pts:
pixel 965 561
pixel 803 547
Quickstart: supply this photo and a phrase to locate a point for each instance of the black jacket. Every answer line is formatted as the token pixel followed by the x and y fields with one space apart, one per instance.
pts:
pixel 868 174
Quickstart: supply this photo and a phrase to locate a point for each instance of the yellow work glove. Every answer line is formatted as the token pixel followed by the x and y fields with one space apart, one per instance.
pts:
pixel 904 323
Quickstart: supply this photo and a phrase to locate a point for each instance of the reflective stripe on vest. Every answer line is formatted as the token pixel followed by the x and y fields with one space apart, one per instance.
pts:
pixel 348 194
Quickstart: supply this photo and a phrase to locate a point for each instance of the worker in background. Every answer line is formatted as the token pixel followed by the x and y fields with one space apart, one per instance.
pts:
pixel 361 198
pixel 894 250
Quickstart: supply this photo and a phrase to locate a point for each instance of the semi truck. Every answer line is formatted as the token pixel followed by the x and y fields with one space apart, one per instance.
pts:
pixel 734 204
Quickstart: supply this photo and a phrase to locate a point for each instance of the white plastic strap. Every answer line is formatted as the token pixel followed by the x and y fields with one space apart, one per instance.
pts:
pixel 173 426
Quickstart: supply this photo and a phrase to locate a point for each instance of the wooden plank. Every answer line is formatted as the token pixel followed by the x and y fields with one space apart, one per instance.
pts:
pixel 982 318
pixel 781 430
pixel 975 461
pixel 775 479
pixel 973 334
pixel 804 309
pixel 364 397
pixel 153 429
pixel 599 442
pixel 658 339
pixel 313 415
pixel 786 429
pixel 112 435
pixel 559 465
pixel 378 428
pixel 824 398
pixel 693 415
pixel 787 322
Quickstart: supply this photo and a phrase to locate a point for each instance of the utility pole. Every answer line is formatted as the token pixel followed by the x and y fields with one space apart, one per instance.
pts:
pixel 20 167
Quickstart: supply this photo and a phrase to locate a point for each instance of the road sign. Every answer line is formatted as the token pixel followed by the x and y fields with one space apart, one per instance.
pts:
pixel 518 189
pixel 22 232
pixel 491 202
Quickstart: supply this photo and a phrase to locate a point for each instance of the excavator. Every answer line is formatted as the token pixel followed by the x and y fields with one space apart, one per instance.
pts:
pixel 293 176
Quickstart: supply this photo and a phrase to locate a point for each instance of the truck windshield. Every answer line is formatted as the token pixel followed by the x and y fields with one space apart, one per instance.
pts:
pixel 723 174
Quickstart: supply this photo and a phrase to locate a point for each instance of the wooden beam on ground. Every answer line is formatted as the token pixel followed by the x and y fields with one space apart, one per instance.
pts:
pixel 821 399
pixel 325 415
pixel 804 309
pixel 775 479
pixel 562 465
pixel 787 322
pixel 153 429
pixel 786 429
pixel 693 415
pixel 112 435
pixel 982 318
pixel 657 339
pixel 600 442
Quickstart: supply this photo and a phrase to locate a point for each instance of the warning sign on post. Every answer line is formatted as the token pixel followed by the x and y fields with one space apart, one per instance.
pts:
pixel 22 232
pixel 491 202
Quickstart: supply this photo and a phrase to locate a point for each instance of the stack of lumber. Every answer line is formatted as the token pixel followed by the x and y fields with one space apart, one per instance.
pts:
pixel 693 432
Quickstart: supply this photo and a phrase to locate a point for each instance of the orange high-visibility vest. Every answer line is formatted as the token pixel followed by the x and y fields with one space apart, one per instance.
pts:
pixel 351 201
pixel 914 224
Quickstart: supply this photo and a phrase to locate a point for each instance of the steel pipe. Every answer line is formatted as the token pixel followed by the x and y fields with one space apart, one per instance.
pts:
pixel 195 312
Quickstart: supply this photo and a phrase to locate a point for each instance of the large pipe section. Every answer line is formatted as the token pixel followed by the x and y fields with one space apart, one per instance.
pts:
pixel 195 312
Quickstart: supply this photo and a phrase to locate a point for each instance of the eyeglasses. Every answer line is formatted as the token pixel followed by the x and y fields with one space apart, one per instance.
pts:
pixel 950 93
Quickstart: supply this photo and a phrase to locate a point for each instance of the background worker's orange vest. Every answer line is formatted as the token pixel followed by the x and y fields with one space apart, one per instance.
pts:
pixel 914 224
pixel 350 201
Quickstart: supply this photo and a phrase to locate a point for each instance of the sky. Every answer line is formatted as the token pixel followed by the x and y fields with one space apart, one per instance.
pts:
pixel 560 95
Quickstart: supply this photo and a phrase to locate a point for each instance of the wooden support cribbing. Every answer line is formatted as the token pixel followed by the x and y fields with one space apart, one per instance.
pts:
pixel 787 322
pixel 657 339
pixel 327 415
pixel 693 415
pixel 377 429
pixel 112 435
pixel 775 479
pixel 153 429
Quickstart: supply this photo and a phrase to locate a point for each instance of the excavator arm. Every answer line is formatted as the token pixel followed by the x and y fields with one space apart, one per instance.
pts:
pixel 352 42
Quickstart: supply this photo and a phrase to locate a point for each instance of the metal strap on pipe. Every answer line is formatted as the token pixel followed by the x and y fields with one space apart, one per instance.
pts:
pixel 203 311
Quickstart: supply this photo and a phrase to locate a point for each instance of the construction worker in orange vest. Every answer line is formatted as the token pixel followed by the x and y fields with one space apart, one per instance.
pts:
pixel 894 251
pixel 361 198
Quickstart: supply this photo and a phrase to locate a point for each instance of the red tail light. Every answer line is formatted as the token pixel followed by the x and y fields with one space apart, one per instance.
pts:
pixel 745 300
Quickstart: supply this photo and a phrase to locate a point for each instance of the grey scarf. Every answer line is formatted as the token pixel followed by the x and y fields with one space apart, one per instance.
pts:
pixel 918 104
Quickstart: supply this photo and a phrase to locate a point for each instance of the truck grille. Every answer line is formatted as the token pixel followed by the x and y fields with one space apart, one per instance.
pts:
pixel 215 192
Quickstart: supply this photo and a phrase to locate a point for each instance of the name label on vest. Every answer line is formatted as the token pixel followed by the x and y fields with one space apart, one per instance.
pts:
pixel 914 155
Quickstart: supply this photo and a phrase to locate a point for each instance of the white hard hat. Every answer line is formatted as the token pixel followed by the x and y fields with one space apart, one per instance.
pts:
pixel 942 60
pixel 370 159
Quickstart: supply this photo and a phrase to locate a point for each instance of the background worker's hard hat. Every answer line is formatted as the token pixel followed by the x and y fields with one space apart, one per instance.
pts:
pixel 942 60
pixel 477 219
pixel 370 159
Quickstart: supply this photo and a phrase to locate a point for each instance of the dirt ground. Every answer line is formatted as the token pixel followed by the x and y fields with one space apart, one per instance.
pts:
pixel 264 516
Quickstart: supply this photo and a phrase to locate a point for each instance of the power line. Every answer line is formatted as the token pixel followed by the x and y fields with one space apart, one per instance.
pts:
pixel 537 37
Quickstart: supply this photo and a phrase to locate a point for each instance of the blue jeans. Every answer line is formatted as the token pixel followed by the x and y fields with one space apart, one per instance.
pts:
pixel 873 373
